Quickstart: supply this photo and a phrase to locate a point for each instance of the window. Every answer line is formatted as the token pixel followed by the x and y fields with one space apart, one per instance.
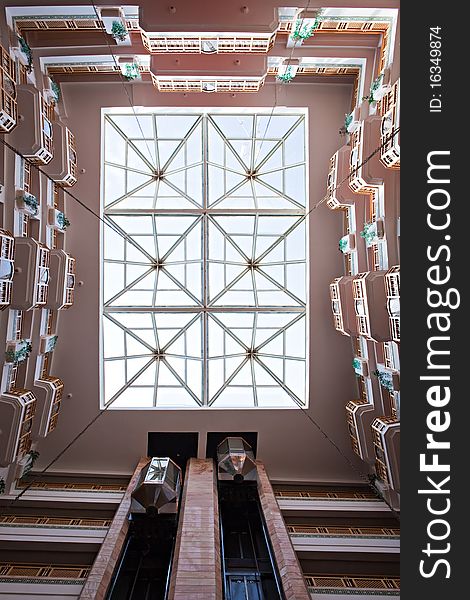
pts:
pixel 204 289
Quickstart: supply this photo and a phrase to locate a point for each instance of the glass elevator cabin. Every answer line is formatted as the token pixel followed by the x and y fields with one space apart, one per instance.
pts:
pixel 248 567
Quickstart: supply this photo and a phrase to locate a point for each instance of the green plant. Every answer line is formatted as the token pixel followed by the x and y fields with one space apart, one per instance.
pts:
pixel 27 51
pixel 52 342
pixel 348 120
pixel 55 88
pixel 131 71
pixel 118 31
pixel 373 88
pixel 385 380
pixel 62 221
pixel 343 244
pixel 356 363
pixel 31 201
pixel 34 455
pixel 303 32
pixel 2 485
pixel 21 354
pixel 287 76
pixel 369 233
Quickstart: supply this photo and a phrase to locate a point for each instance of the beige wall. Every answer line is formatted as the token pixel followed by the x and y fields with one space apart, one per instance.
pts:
pixel 289 444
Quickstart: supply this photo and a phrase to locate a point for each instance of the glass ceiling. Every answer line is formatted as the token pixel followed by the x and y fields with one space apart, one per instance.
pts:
pixel 204 258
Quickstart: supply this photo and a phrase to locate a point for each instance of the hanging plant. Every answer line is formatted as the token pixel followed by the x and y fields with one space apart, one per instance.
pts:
pixel 20 355
pixel 385 380
pixel 303 32
pixel 356 363
pixel 31 201
pixel 55 89
pixel 287 76
pixel 51 343
pixel 62 221
pixel 34 455
pixel 118 31
pixel 373 88
pixel 343 244
pixel 27 51
pixel 2 485
pixel 348 120
pixel 131 71
pixel 369 233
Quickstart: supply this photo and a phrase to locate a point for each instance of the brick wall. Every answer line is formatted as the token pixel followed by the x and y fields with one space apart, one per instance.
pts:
pixel 105 562
pixel 196 572
pixel 288 565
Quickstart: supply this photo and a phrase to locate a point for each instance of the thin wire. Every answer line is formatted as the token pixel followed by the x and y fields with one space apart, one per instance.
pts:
pixel 66 191
pixel 122 80
pixel 276 83
pixel 62 452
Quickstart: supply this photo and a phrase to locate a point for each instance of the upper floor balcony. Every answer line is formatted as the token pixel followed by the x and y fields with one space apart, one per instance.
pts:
pixel 370 306
pixel 48 391
pixel 392 285
pixel 338 191
pixel 386 435
pixel 62 285
pixel 32 274
pixel 17 407
pixel 366 170
pixel 7 267
pixel 209 29
pixel 33 135
pixel 342 305
pixel 8 106
pixel 389 109
pixel 63 166
pixel 219 73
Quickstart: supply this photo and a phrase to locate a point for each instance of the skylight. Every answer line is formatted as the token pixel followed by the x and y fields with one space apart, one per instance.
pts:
pixel 204 281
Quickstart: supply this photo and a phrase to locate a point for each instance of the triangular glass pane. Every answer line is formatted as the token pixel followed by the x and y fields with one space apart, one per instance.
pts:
pixel 243 150
pixel 113 337
pixel 263 148
pixel 134 161
pixel 115 146
pixel 114 377
pixel 114 183
pixel 174 126
pixel 166 377
pixel 294 146
pixel 134 365
pixel 133 126
pixel 147 149
pixel 235 126
pixel 165 150
pixel 274 126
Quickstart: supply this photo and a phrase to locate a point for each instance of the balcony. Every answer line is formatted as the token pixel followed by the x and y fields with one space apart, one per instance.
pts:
pixel 184 28
pixel 367 586
pixel 62 285
pixel 342 306
pixel 33 135
pixel 8 107
pixel 370 306
pixel 360 416
pixel 386 436
pixel 7 257
pixel 63 166
pixel 207 43
pixel 220 73
pixel 389 109
pixel 48 391
pixel 365 176
pixel 17 408
pixel 32 276
pixel 392 285
pixel 338 191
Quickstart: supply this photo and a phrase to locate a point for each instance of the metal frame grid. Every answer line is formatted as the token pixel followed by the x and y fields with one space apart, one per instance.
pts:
pixel 204 279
